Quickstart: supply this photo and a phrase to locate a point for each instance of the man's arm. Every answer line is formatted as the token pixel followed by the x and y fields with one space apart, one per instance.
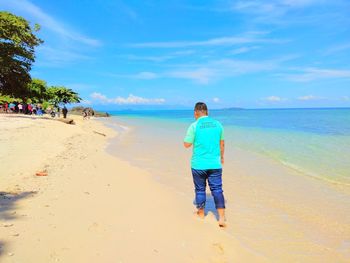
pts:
pixel 187 144
pixel 222 150
pixel 189 138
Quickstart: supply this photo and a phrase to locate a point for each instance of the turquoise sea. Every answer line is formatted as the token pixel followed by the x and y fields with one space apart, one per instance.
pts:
pixel 316 142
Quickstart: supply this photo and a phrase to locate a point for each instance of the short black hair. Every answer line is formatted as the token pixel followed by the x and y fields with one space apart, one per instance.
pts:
pixel 201 106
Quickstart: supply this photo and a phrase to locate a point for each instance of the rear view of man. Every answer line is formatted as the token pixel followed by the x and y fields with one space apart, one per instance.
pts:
pixel 207 137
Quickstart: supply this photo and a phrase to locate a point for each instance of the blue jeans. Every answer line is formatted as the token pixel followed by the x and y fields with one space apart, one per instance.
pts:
pixel 213 176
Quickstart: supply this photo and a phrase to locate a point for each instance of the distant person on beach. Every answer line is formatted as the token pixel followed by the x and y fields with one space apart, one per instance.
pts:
pixel 20 108
pixel 84 113
pixel 64 111
pixel 30 109
pixel 39 111
pixel 206 135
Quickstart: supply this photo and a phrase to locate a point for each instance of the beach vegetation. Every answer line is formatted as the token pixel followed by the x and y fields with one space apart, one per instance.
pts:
pixel 37 91
pixel 7 99
pixel 17 54
pixel 59 95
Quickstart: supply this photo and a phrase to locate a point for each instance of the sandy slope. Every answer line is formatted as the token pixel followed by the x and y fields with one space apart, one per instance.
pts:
pixel 93 207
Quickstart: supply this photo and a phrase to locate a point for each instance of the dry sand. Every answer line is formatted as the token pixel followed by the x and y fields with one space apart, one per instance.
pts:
pixel 93 207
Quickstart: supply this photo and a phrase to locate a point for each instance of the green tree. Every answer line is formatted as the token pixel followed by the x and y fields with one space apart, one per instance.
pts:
pixel 58 95
pixel 17 43
pixel 37 90
pixel 6 98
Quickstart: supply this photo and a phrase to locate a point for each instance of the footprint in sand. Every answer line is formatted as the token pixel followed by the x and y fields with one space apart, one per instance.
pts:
pixel 219 248
pixel 93 226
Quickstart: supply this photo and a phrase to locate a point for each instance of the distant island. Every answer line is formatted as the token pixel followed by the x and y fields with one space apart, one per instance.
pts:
pixel 233 108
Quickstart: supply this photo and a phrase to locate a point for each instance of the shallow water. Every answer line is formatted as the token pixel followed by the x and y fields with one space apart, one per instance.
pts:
pixel 315 142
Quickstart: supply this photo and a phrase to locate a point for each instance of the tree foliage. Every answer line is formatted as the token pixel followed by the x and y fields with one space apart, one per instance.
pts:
pixel 37 90
pixel 17 43
pixel 6 98
pixel 61 95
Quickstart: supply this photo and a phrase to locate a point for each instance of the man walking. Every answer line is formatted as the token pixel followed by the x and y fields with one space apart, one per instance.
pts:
pixel 207 137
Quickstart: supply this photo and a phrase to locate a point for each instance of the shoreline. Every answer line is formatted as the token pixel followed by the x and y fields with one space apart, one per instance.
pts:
pixel 93 206
pixel 301 209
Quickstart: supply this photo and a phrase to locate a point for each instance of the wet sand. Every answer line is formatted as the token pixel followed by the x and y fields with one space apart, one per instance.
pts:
pixel 273 210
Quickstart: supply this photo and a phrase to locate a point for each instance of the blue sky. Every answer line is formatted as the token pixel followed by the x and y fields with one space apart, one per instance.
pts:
pixel 252 53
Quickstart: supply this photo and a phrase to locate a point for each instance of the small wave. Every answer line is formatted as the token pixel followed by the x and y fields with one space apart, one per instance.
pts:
pixel 311 174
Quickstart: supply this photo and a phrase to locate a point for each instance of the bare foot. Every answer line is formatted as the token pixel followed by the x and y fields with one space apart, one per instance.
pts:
pixel 222 218
pixel 200 213
pixel 222 223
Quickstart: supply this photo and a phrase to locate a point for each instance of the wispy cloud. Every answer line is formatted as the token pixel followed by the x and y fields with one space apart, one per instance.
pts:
pixel 145 75
pixel 312 74
pixel 131 99
pixel 309 97
pixel 53 57
pixel 204 73
pixel 199 75
pixel 161 58
pixel 274 99
pixel 150 58
pixel 337 48
pixel 46 21
pixel 250 37
pixel 85 102
pixel 218 69
pixel 285 12
pixel 242 50
pixel 273 7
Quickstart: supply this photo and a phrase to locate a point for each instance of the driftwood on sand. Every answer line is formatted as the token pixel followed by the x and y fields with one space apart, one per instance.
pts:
pixel 67 121
pixel 100 133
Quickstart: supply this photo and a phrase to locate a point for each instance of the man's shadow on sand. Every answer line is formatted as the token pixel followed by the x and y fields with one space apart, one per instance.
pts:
pixel 209 206
pixel 8 210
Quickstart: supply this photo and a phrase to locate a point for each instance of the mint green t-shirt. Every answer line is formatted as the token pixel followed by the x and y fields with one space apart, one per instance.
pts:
pixel 205 135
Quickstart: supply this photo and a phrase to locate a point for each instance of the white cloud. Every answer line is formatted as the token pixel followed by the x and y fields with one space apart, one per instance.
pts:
pixel 86 102
pixel 311 74
pixel 213 70
pixel 242 50
pixel 131 99
pixel 52 57
pixel 199 75
pixel 338 48
pixel 218 69
pixel 150 58
pixel 284 12
pixel 273 7
pixel 146 75
pixel 250 37
pixel 184 52
pixel 300 3
pixel 216 100
pixel 274 99
pixel 169 56
pixel 308 97
pixel 46 21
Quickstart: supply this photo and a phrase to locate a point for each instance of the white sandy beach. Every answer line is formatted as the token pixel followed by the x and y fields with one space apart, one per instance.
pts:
pixel 93 207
